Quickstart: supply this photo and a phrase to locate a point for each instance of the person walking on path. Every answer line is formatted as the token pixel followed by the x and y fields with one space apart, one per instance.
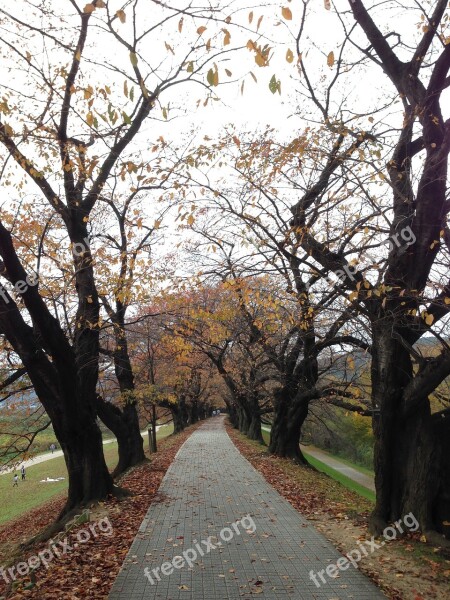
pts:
pixel 52 448
pixel 22 470
pixel 16 480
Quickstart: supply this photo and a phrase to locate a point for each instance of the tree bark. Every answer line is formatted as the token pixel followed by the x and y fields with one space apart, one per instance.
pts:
pixel 243 419
pixel 179 415
pixel 125 426
pixel 291 410
pixel 411 474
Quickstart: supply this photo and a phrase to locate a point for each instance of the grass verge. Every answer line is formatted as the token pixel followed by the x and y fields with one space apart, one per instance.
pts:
pixel 336 475
pixel 31 493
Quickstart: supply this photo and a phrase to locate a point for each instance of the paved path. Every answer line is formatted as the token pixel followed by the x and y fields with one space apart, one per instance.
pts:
pixel 362 478
pixel 207 490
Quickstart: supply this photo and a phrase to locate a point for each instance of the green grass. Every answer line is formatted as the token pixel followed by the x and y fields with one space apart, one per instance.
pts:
pixel 32 493
pixel 348 462
pixel 342 479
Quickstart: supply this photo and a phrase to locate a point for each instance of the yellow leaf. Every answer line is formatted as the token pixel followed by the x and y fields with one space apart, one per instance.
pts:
pixel 287 13
pixel 90 119
pixel 88 92
pixel 289 56
pixel 429 319
pixel 190 220
pixel 227 38
pixel 330 59
pixel 120 14
pixel 157 225
pixel 133 59
pixel 169 48
pixel 89 8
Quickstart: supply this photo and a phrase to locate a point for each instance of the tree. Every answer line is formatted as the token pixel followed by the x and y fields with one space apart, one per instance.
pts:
pixel 411 450
pixel 68 142
pixel 252 243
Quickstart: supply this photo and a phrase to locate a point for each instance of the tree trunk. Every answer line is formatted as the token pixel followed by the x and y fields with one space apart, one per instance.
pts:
pixel 125 426
pixel 287 425
pixel 243 419
pixel 193 412
pixel 233 414
pixel 441 508
pixel 89 478
pixel 254 430
pixel 154 444
pixel 129 440
pixel 409 448
pixel 179 415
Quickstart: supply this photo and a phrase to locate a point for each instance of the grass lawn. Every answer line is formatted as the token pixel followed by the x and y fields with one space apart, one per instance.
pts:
pixel 342 479
pixel 348 462
pixel 345 481
pixel 32 493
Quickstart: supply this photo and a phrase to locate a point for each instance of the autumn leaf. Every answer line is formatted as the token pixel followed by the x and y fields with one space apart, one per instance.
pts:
pixel 287 13
pixel 213 77
pixel 227 38
pixel 120 14
pixel 88 9
pixel 201 30
pixel 289 56
pixel 429 319
pixel 133 59
pixel 88 92
pixel 327 4
pixel 330 59
pixel 275 85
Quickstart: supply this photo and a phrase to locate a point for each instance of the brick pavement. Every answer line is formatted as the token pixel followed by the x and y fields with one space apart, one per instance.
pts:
pixel 211 486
